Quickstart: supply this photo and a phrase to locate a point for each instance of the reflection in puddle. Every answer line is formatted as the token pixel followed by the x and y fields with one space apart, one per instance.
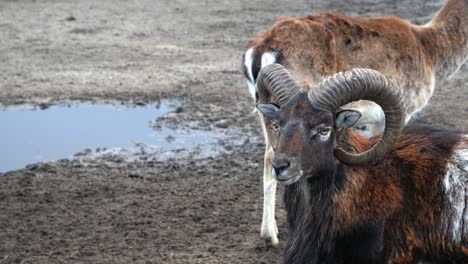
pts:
pixel 29 136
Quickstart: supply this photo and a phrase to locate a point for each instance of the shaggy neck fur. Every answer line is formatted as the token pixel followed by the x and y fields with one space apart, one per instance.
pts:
pixel 445 38
pixel 309 210
pixel 310 215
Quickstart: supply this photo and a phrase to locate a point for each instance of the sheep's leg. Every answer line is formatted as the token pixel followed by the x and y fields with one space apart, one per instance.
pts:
pixel 269 230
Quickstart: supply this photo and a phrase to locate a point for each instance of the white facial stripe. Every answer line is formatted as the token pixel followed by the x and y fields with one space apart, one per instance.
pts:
pixel 267 59
pixel 248 61
pixel 455 186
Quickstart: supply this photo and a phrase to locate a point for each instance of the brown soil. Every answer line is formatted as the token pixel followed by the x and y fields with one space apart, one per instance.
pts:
pixel 204 210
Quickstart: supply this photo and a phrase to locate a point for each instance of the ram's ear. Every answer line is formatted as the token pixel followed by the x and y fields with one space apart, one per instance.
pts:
pixel 346 118
pixel 270 111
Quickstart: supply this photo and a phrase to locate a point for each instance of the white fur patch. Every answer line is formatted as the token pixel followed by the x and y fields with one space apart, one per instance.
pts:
pixel 456 188
pixel 268 58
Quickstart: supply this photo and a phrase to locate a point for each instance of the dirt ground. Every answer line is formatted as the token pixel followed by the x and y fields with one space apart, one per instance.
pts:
pixel 204 210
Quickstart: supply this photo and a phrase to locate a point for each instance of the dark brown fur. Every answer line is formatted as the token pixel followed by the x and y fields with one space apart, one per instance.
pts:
pixel 398 210
pixel 403 192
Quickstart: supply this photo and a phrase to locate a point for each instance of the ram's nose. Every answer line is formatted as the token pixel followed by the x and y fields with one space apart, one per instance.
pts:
pixel 279 167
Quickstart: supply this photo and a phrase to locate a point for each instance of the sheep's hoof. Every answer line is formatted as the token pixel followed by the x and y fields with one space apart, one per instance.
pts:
pixel 270 239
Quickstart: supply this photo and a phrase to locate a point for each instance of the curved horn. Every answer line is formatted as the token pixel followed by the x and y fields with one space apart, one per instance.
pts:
pixel 277 81
pixel 362 84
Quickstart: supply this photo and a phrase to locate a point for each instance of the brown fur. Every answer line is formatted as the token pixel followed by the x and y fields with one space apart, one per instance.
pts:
pixel 406 206
pixel 404 196
pixel 316 46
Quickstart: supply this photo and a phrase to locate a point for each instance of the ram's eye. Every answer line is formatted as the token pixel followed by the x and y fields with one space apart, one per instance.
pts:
pixel 323 134
pixel 324 131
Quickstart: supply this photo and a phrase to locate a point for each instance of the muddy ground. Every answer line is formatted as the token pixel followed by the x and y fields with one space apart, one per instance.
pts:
pixel 204 210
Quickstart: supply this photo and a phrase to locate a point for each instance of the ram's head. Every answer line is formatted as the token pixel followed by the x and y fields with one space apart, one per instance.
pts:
pixel 308 123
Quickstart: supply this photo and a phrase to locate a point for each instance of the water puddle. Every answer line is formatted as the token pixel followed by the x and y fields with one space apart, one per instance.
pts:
pixel 29 136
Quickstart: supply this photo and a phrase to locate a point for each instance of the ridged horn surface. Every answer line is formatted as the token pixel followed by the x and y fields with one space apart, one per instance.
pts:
pixel 362 84
pixel 274 79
